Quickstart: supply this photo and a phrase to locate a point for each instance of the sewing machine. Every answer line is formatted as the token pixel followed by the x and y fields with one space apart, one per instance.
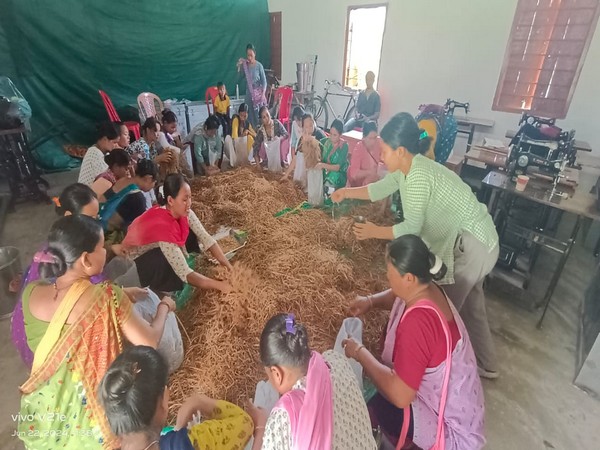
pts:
pixel 541 144
pixel 451 105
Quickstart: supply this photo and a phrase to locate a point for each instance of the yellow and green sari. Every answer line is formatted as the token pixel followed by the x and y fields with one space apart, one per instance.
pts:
pixel 59 406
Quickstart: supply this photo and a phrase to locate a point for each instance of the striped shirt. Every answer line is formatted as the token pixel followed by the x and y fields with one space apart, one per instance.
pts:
pixel 438 206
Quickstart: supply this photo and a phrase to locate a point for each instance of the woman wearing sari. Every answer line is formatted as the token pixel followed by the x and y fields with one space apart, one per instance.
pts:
pixel 428 388
pixel 75 329
pixel 118 163
pixel 125 201
pixel 256 83
pixel 321 405
pixel 334 158
pixel 157 241
pixel 135 396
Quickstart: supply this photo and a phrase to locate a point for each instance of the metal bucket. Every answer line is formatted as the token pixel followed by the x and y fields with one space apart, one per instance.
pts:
pixel 303 80
pixel 10 280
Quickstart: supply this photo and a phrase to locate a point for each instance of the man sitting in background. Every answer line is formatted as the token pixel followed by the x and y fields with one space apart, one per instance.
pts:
pixel 368 105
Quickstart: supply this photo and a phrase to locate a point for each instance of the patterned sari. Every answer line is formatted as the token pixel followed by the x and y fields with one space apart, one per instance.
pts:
pixel 59 406
pixel 109 208
pixel 335 156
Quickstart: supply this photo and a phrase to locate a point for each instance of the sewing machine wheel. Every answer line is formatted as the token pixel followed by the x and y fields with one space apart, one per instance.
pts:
pixel 523 161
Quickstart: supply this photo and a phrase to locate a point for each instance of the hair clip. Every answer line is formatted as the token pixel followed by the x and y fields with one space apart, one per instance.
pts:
pixel 56 201
pixel 423 135
pixel 436 266
pixel 44 257
pixel 290 325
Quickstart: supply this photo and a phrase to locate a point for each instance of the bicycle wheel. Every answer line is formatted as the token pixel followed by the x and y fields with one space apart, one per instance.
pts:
pixel 318 108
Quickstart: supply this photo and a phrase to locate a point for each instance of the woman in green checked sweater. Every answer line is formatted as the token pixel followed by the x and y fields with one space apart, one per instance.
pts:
pixel 441 209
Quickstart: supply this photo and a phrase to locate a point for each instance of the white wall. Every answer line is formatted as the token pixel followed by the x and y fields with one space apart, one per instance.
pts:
pixel 432 50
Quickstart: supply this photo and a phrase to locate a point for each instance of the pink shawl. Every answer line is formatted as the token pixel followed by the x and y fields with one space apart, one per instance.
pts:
pixel 311 412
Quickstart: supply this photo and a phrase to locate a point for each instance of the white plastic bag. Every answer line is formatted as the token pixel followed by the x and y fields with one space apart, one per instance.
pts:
pixel 300 169
pixel 229 151
pixel 314 183
pixel 171 345
pixel 240 147
pixel 352 327
pixel 213 156
pixel 272 148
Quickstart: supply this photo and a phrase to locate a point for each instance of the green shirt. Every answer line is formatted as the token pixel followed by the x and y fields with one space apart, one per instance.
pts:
pixel 438 206
pixel 338 156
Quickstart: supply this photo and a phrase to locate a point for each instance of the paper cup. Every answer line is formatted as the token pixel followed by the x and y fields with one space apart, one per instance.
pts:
pixel 522 181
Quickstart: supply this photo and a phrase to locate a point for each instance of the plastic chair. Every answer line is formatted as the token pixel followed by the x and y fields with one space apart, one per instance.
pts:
pixel 150 105
pixel 283 97
pixel 210 96
pixel 134 127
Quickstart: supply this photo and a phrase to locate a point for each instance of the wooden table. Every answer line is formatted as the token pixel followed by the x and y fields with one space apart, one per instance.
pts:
pixel 578 145
pixel 580 203
pixel 470 123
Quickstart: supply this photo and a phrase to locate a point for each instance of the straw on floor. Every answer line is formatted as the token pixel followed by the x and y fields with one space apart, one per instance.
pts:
pixel 305 263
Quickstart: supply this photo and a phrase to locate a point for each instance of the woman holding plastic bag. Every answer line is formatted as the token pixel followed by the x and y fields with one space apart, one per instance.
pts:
pixel 321 406
pixel 433 395
pixel 273 136
pixel 241 141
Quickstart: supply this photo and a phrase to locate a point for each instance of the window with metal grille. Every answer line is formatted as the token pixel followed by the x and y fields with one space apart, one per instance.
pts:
pixel 544 56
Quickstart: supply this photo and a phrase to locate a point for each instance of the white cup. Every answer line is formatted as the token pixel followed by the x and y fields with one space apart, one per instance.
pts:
pixel 522 181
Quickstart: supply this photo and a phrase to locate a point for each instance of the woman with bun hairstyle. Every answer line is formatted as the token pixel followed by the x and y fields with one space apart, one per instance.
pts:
pixel 93 162
pixel 118 163
pixel 432 394
pixel 135 397
pixel 159 240
pixel 75 330
pixel 441 209
pixel 321 406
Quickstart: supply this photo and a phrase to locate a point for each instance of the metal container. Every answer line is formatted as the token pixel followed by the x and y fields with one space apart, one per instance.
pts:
pixel 10 280
pixel 302 67
pixel 303 77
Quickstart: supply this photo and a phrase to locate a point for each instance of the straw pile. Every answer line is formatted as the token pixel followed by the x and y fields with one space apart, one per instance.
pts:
pixel 304 263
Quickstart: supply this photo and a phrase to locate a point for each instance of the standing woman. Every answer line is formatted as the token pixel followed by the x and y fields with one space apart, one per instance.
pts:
pixel 75 330
pixel 335 158
pixel 441 209
pixel 256 83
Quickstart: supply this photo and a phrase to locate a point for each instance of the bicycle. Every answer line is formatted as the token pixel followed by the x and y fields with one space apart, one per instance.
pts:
pixel 320 105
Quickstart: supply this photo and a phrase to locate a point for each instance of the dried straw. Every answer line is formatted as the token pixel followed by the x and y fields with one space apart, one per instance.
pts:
pixel 303 263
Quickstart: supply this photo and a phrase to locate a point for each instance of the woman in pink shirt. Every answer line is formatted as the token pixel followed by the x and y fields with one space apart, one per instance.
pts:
pixel 365 158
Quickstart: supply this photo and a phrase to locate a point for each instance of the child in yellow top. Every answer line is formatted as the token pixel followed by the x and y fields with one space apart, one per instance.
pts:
pixel 221 107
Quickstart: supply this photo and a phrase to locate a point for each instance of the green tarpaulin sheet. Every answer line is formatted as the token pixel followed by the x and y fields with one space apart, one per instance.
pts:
pixel 60 52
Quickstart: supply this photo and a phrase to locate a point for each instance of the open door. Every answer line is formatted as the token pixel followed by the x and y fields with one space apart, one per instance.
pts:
pixel 276 43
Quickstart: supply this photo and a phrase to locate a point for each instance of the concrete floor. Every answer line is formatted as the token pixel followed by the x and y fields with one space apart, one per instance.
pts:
pixel 533 405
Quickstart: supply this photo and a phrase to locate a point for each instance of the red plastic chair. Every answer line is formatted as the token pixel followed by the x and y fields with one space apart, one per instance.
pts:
pixel 134 127
pixel 210 96
pixel 283 97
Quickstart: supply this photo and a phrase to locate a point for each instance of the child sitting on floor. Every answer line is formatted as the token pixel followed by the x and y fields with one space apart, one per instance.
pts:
pixel 135 397
pixel 221 106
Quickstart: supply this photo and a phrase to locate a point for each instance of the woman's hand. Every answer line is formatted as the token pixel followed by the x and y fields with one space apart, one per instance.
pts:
pixel 240 62
pixel 170 303
pixel 339 196
pixel 360 306
pixel 135 293
pixel 259 415
pixel 320 166
pixel 246 133
pixel 366 230
pixel 164 157
pixel 119 250
pixel 351 347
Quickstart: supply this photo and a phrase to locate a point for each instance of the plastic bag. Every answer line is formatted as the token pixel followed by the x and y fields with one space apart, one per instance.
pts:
pixel 300 169
pixel 314 183
pixel 272 148
pixel 241 150
pixel 213 154
pixel 352 327
pixel 171 345
pixel 229 151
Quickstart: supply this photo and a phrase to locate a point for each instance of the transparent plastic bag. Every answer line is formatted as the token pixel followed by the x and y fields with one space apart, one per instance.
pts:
pixel 272 148
pixel 314 183
pixel 300 169
pixel 352 327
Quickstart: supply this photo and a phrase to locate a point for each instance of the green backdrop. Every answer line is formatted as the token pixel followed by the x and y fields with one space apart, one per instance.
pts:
pixel 60 52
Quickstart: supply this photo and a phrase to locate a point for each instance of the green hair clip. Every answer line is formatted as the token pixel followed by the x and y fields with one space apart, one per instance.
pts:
pixel 423 135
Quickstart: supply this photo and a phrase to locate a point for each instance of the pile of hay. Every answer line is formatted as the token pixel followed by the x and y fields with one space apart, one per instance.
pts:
pixel 306 263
